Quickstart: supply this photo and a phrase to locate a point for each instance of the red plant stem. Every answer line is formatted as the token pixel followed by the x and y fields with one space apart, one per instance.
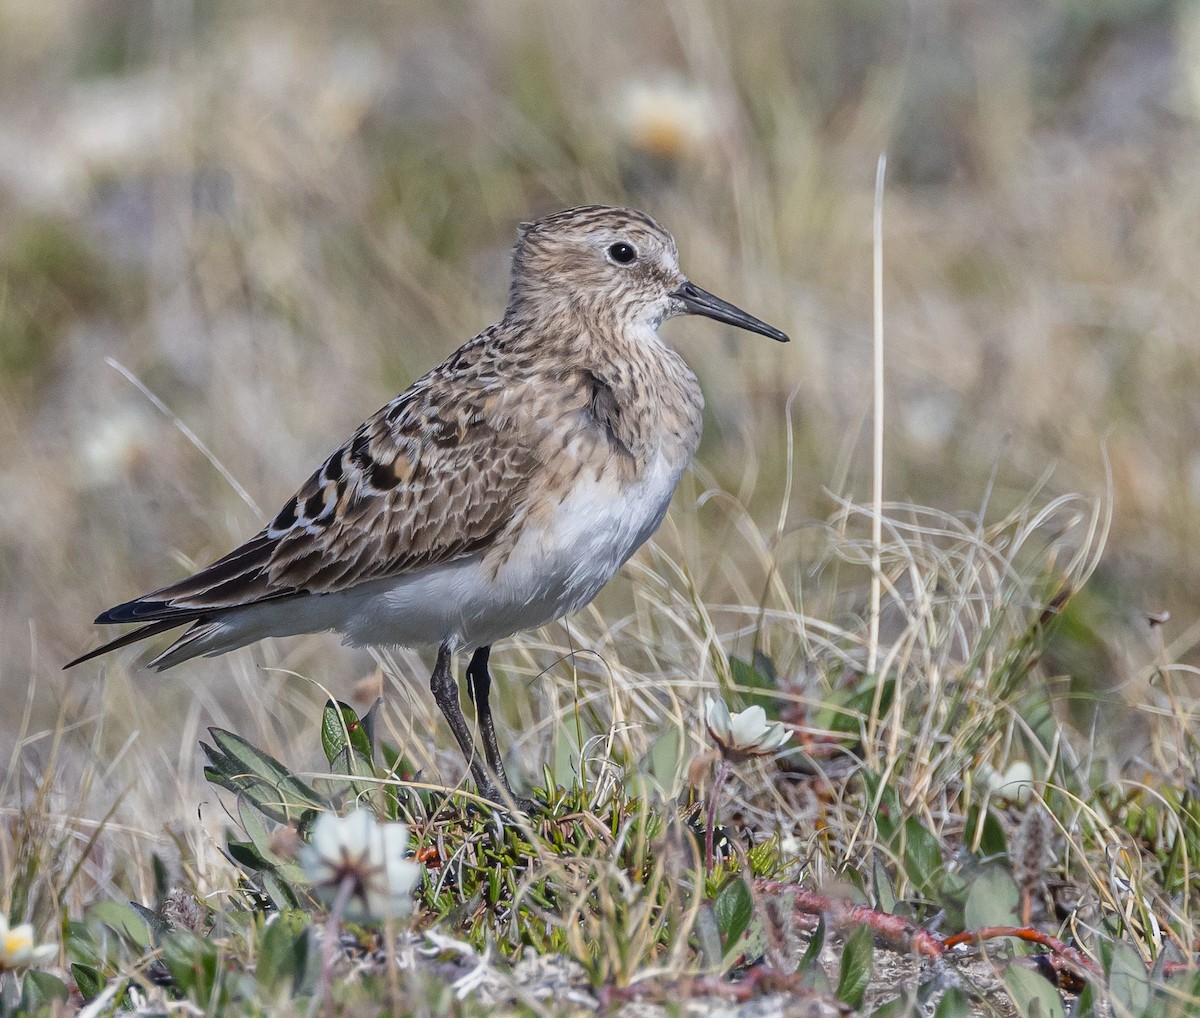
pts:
pixel 1071 965
pixel 1029 935
pixel 1179 968
pixel 896 931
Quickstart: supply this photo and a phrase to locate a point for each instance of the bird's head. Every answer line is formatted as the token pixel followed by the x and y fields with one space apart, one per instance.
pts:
pixel 613 265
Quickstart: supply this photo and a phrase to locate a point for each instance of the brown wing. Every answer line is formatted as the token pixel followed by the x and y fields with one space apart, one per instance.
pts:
pixel 434 476
pixel 424 483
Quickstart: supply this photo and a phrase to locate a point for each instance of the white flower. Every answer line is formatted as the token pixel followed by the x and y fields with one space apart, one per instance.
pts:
pixel 371 855
pixel 666 117
pixel 112 447
pixel 1014 785
pixel 745 734
pixel 17 949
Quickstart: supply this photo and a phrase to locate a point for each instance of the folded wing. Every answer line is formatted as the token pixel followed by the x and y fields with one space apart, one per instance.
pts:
pixel 434 476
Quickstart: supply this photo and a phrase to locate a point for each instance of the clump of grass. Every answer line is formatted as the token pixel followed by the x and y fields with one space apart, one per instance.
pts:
pixel 890 798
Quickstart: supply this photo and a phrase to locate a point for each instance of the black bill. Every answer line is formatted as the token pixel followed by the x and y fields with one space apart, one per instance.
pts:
pixel 700 302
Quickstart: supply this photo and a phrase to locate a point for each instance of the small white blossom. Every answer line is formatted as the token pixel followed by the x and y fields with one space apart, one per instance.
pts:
pixel 1014 785
pixel 112 447
pixel 17 949
pixel 360 849
pixel 667 117
pixel 745 734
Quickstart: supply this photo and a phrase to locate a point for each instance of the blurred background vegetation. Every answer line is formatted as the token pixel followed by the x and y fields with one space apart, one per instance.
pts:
pixel 275 216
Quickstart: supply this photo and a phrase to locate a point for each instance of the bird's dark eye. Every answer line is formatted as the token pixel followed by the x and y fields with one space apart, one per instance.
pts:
pixel 622 253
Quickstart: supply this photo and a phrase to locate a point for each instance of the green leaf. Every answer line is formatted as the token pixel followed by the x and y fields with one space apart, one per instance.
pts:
pixel 251 820
pixel 122 920
pixel 903 1006
pixel 954 1004
pixel 733 908
pixel 269 786
pixel 258 857
pixel 1085 1003
pixel 818 980
pixel 663 762
pixel 1128 981
pixel 922 857
pixel 88 979
pixel 1180 1002
pixel 162 878
pixel 992 842
pixel 885 893
pixel 813 951
pixel 765 665
pixel 80 945
pixel 846 709
pixel 370 725
pixel 393 760
pixel 887 815
pixel 279 890
pixel 754 686
pixel 193 964
pixel 992 901
pixel 258 854
pixel 857 956
pixel 764 858
pixel 1032 994
pixel 856 891
pixel 344 739
pixel 283 952
pixel 159 927
pixel 564 763
pixel 246 856
pixel 708 933
pixel 41 989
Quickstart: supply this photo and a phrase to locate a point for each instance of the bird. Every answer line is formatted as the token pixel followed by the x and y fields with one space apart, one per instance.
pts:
pixel 498 493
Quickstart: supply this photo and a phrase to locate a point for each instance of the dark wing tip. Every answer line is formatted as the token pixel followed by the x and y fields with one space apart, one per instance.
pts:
pixel 138 610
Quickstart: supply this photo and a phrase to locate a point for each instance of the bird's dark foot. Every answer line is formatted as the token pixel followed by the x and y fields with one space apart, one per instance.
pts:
pixel 509 802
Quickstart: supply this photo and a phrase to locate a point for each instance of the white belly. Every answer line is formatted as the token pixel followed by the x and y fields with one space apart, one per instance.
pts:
pixel 550 573
pixel 467 603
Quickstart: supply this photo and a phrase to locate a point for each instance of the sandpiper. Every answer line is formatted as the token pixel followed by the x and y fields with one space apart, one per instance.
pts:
pixel 499 493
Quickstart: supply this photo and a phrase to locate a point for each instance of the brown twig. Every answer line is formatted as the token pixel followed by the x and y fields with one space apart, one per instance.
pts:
pixel 1171 969
pixel 1030 936
pixel 895 931
pixel 1066 966
pixel 1072 966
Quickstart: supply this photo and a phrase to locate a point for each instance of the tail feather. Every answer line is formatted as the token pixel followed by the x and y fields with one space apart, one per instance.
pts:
pixel 195 642
pixel 153 629
pixel 209 634
pixel 205 598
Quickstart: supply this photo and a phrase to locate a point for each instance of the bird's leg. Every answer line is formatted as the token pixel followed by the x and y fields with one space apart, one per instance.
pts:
pixel 479 685
pixel 445 692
